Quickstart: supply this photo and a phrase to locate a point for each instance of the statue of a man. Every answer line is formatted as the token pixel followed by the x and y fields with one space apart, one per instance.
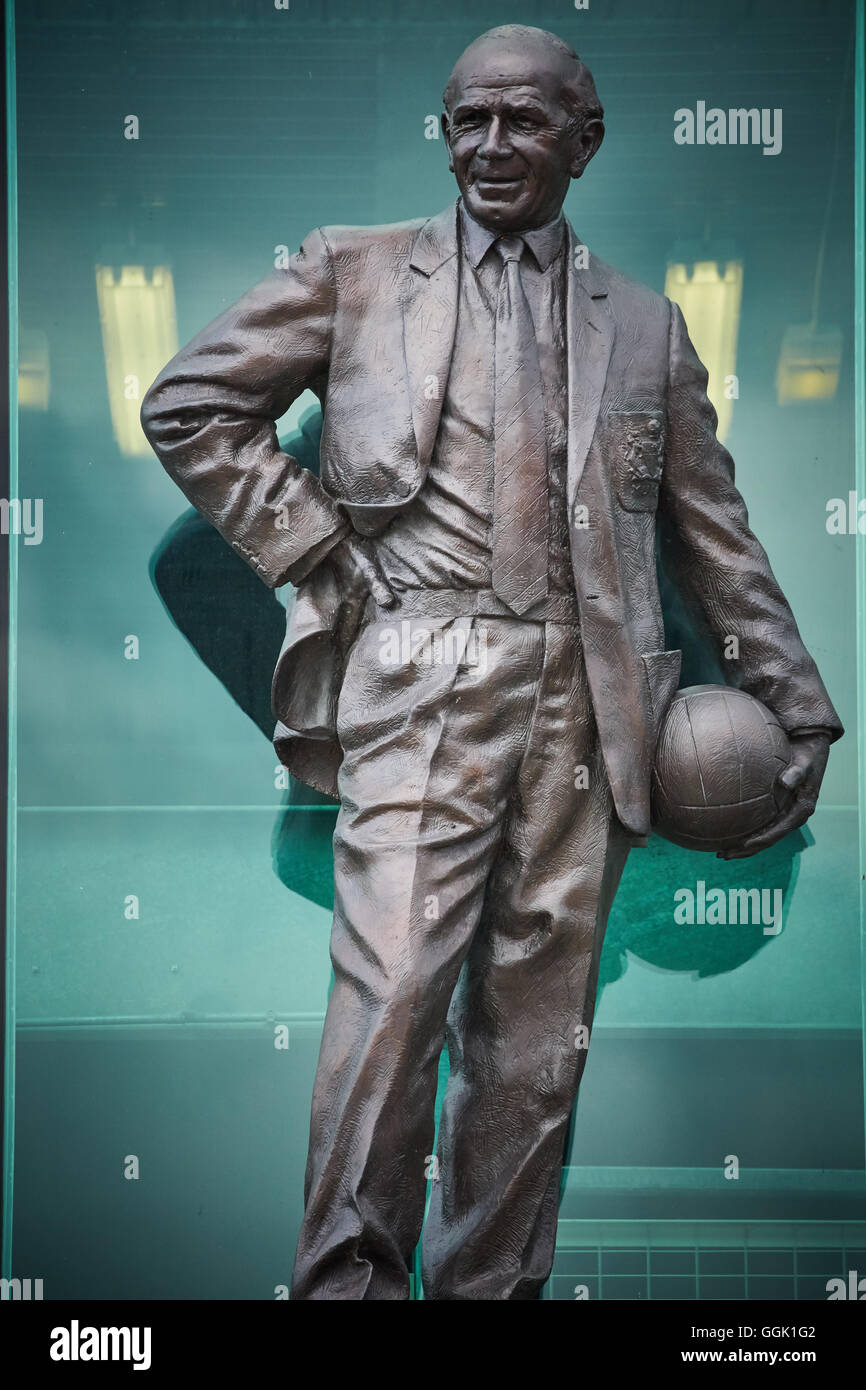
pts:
pixel 475 658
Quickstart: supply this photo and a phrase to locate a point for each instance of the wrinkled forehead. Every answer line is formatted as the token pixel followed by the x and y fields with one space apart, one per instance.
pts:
pixel 495 72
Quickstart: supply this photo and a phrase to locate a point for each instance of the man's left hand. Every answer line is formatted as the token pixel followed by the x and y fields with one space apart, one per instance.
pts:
pixel 802 778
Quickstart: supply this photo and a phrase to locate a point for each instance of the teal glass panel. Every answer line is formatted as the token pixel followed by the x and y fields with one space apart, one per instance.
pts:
pixel 170 889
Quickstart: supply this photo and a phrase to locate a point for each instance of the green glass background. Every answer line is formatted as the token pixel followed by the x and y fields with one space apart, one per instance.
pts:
pixel 155 1037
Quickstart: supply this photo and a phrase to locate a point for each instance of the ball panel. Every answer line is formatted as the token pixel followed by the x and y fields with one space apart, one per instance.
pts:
pixel 677 764
pixel 713 736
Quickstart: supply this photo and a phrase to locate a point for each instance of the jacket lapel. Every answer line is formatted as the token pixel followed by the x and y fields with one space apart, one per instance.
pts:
pixel 590 335
pixel 429 322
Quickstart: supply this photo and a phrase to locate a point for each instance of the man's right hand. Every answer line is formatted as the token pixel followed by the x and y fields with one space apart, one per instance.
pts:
pixel 358 572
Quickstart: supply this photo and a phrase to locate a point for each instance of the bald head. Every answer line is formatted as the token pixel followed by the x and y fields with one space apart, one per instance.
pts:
pixel 514 48
pixel 522 119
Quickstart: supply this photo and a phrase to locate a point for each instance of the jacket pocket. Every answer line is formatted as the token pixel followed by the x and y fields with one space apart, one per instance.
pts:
pixel 663 674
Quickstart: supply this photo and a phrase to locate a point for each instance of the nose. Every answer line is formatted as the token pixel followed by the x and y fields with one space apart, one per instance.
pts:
pixel 495 144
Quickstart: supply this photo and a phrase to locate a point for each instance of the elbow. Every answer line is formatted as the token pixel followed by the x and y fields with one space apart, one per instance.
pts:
pixel 149 414
pixel 165 419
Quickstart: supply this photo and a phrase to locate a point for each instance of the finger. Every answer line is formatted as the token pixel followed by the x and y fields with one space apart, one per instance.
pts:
pixel 792 819
pixel 375 583
pixel 381 593
pixel 379 587
pixel 363 568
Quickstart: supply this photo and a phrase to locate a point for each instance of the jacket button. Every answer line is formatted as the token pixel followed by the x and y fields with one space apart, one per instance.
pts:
pixel 403 489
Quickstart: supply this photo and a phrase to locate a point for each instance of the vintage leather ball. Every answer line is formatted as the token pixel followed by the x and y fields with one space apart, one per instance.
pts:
pixel 718 758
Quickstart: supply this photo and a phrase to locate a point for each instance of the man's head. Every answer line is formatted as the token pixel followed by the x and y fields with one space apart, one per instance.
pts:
pixel 522 119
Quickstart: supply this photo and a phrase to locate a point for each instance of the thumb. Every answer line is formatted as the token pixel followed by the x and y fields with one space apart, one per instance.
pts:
pixel 793 776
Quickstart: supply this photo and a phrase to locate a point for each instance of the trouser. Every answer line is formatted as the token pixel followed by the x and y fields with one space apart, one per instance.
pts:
pixel 476 855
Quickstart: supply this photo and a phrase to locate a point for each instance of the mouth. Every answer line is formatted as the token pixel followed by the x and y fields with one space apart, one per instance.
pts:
pixel 497 183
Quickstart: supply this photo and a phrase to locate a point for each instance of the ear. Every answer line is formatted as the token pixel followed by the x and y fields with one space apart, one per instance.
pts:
pixel 586 144
pixel 446 136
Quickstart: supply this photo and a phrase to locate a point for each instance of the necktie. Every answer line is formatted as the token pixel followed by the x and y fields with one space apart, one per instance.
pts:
pixel 520 505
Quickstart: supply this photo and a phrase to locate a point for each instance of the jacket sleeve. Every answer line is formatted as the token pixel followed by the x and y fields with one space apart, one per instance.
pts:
pixel 210 414
pixel 720 567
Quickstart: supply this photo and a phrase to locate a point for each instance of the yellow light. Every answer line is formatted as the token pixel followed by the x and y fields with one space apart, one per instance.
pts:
pixel 809 364
pixel 709 295
pixel 34 373
pixel 139 335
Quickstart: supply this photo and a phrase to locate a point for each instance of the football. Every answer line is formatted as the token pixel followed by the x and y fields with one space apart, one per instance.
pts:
pixel 718 758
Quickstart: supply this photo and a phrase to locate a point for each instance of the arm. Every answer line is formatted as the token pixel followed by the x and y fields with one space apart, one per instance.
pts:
pixel 209 417
pixel 724 572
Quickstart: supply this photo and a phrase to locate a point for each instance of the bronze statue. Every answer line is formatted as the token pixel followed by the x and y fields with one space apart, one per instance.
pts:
pixel 475 659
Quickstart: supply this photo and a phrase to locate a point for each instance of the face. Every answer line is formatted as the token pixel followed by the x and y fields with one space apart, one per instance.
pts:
pixel 508 137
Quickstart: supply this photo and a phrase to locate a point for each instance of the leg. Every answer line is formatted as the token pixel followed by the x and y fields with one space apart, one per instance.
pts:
pixel 430 752
pixel 528 988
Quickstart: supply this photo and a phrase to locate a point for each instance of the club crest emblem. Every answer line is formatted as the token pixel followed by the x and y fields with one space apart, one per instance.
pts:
pixel 638 452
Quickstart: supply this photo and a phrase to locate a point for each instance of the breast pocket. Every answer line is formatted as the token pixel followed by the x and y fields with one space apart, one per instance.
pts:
pixel 637 443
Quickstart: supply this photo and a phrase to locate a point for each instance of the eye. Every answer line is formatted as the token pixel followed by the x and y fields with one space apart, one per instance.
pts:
pixel 470 118
pixel 523 120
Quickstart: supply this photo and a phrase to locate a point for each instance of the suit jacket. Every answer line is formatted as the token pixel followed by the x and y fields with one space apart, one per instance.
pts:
pixel 365 317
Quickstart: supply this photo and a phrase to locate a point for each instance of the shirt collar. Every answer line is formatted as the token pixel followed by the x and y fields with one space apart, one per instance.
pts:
pixel 545 242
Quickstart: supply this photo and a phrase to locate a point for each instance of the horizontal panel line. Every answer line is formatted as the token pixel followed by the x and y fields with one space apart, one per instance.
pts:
pixel 704 1179
pixel 273 806
pixel 694 1233
pixel 178 1020
pixel 643 1032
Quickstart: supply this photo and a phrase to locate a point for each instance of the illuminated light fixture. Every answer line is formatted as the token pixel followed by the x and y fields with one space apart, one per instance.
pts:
pixel 811 355
pixel 34 374
pixel 809 364
pixel 707 285
pixel 139 334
